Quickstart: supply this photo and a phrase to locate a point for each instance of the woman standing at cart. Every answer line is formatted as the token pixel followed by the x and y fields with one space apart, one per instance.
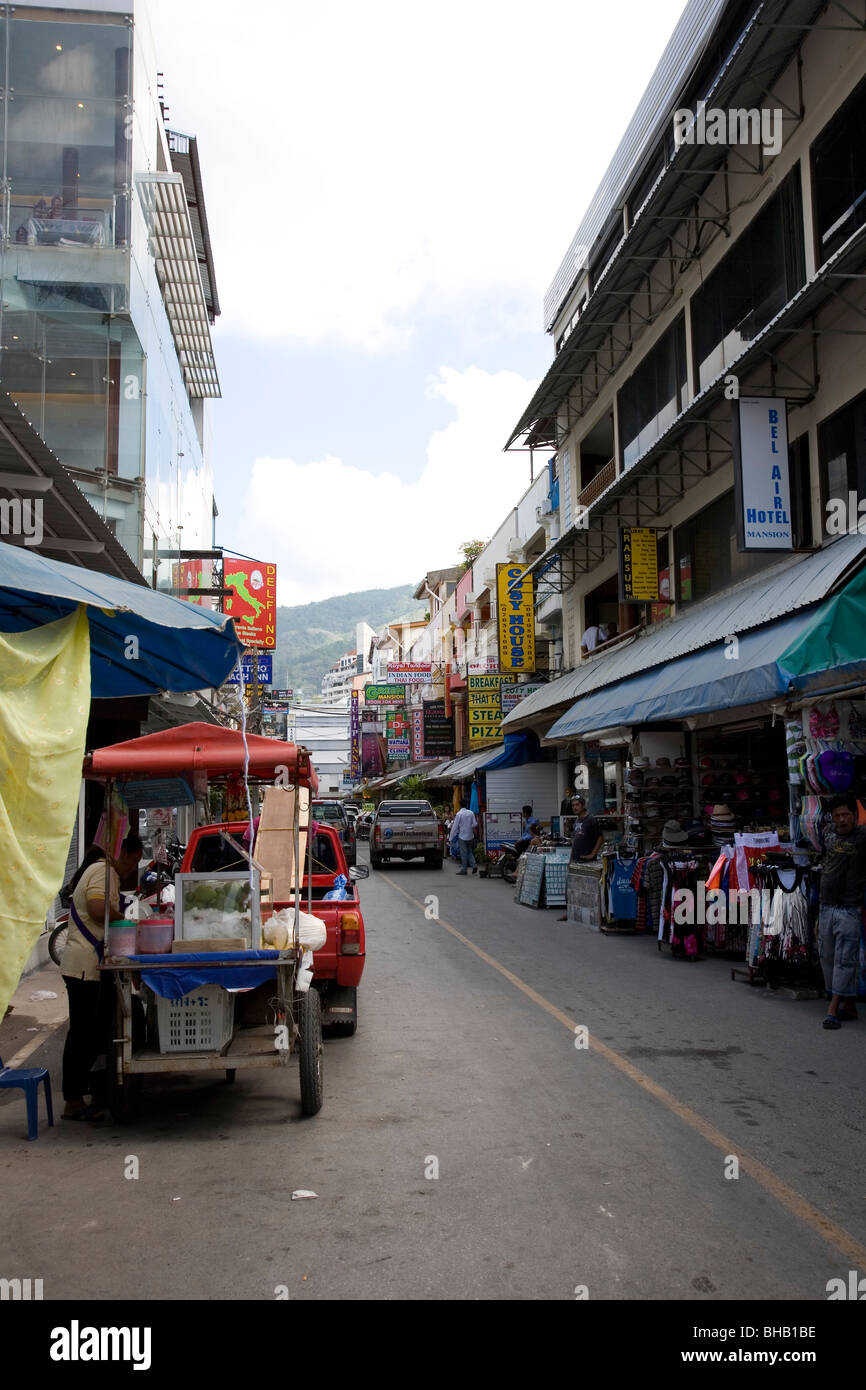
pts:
pixel 91 998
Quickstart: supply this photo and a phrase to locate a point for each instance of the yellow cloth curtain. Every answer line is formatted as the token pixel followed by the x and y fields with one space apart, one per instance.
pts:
pixel 44 708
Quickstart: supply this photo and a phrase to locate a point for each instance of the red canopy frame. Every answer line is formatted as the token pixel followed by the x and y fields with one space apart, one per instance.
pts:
pixel 201 747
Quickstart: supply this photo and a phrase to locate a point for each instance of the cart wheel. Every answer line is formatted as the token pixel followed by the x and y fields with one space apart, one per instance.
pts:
pixel 310 1047
pixel 57 943
pixel 231 1073
pixel 124 1101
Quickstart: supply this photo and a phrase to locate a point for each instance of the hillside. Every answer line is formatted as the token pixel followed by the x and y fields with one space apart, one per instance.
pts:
pixel 311 636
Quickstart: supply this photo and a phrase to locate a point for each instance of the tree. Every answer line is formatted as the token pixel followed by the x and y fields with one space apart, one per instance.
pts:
pixel 411 788
pixel 470 550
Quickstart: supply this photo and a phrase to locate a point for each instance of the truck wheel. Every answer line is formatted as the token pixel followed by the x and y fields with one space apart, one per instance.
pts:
pixel 433 861
pixel 311 1052
pixel 375 861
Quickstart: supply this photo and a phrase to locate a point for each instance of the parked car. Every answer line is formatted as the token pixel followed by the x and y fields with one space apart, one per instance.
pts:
pixel 406 830
pixel 334 813
pixel 362 825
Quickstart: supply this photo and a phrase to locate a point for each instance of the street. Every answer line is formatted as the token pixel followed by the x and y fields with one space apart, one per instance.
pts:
pixel 467 1149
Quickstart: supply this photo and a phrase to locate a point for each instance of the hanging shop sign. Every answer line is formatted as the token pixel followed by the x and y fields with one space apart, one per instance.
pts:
pixel 253 668
pixel 397 735
pixel 253 605
pixel 762 487
pixel 417 735
pixel 438 729
pixel 384 694
pixel 193 574
pixel 516 618
pixel 638 565
pixel 484 708
pixel 513 694
pixel 355 735
pixel 410 673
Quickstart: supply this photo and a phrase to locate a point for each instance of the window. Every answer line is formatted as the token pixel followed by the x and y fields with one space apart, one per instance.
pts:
pixel 842 453
pixel 654 394
pixel 707 558
pixel 839 176
pixel 757 277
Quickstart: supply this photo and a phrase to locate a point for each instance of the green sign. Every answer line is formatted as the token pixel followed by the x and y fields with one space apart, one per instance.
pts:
pixel 384 694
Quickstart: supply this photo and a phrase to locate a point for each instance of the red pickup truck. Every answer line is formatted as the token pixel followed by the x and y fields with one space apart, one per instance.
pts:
pixel 338 966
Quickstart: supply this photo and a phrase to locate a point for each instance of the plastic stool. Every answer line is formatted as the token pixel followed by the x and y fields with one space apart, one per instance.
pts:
pixel 27 1079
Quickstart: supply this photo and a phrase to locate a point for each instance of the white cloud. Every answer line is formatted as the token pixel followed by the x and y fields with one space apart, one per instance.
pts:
pixel 368 165
pixel 333 528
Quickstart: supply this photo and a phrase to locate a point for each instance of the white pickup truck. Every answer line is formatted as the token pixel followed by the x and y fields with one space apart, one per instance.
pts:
pixel 406 830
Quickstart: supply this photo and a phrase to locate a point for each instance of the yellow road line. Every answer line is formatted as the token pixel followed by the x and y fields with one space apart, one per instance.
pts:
pixel 788 1196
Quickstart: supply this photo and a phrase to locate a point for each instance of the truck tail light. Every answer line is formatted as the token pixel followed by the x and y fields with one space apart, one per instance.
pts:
pixel 350 934
pixel 441 833
pixel 377 834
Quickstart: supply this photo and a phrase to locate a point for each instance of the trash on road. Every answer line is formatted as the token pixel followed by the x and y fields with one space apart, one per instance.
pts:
pixel 300 1193
pixel 43 994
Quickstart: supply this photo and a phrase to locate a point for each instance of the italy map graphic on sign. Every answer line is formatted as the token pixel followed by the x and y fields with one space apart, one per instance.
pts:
pixel 253 605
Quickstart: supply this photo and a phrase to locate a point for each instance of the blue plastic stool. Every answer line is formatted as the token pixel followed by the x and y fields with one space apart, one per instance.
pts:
pixel 27 1079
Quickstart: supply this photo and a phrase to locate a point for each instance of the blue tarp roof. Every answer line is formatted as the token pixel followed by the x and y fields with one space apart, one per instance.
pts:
pixel 181 646
pixel 519 749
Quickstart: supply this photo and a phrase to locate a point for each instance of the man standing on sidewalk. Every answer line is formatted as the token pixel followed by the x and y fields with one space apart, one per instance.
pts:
pixel 588 838
pixel 463 828
pixel 843 883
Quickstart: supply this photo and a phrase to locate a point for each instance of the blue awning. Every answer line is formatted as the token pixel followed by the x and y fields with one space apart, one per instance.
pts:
pixel 141 641
pixel 712 679
pixel 519 749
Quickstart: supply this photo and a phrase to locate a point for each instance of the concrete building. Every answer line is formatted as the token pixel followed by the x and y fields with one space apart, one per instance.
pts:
pixel 721 260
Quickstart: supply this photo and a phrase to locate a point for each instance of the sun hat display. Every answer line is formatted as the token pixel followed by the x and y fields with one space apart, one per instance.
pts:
pixel 640 762
pixel 673 833
pixel 682 762
pixel 663 762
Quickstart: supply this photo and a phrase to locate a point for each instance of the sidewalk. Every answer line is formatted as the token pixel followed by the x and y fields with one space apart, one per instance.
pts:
pixel 33 1023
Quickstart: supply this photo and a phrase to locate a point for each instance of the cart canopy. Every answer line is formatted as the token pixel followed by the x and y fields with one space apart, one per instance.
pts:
pixel 202 747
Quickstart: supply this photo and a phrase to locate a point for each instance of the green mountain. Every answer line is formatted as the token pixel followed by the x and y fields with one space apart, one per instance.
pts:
pixel 312 636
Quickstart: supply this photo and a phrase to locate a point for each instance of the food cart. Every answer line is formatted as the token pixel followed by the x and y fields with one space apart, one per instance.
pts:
pixel 176 1008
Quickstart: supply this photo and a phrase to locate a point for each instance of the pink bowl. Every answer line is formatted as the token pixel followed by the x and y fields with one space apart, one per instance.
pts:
pixel 155 935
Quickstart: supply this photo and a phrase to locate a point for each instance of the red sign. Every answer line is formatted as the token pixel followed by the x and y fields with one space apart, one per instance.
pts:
pixel 253 605
pixel 193 574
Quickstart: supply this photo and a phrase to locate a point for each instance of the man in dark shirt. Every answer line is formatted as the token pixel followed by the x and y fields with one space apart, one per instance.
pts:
pixel 588 838
pixel 841 897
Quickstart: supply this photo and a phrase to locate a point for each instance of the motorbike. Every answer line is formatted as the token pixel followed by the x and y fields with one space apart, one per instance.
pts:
pixel 504 865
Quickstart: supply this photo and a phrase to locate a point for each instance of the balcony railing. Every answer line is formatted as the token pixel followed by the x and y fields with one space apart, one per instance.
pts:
pixel 599 484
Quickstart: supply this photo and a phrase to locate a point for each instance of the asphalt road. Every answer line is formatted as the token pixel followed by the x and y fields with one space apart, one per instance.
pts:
pixel 467 1149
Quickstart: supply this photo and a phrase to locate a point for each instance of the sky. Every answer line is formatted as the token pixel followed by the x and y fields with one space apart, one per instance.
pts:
pixel 390 189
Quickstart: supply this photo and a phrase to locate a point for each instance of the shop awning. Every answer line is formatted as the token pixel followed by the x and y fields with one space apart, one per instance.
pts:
pixel 821 650
pixel 460 768
pixel 201 746
pixel 141 641
pixel 796 583
pixel 519 749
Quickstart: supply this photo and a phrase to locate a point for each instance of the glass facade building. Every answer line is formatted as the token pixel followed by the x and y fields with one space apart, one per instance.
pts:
pixel 90 351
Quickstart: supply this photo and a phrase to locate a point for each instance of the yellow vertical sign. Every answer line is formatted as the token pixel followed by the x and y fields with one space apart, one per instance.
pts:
pixel 516 618
pixel 484 708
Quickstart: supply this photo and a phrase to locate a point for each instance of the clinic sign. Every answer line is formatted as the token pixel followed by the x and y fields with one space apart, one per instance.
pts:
pixel 484 708
pixel 516 618
pixel 761 483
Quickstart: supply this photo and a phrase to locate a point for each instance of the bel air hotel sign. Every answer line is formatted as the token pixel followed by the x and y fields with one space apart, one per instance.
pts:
pixel 763 489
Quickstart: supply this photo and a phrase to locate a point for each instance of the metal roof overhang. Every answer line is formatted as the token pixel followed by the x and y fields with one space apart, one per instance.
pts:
pixel 172 245
pixel 72 530
pixel 768 42
pixel 458 768
pixel 582 547
pixel 797 582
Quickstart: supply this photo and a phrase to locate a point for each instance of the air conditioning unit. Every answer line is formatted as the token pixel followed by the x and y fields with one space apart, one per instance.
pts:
pixel 489 579
pixel 515 548
pixel 546 509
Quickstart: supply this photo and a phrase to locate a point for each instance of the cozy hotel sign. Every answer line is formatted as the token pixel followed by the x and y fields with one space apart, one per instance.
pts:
pixel 516 627
pixel 763 489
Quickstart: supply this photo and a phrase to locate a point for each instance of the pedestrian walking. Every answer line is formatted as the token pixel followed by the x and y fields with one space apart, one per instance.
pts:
pixel 840 902
pixel 463 828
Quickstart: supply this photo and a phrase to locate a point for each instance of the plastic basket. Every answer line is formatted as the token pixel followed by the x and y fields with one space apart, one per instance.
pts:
pixel 199 1022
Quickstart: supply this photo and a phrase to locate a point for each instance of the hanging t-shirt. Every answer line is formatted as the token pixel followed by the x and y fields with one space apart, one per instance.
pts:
pixel 623 898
